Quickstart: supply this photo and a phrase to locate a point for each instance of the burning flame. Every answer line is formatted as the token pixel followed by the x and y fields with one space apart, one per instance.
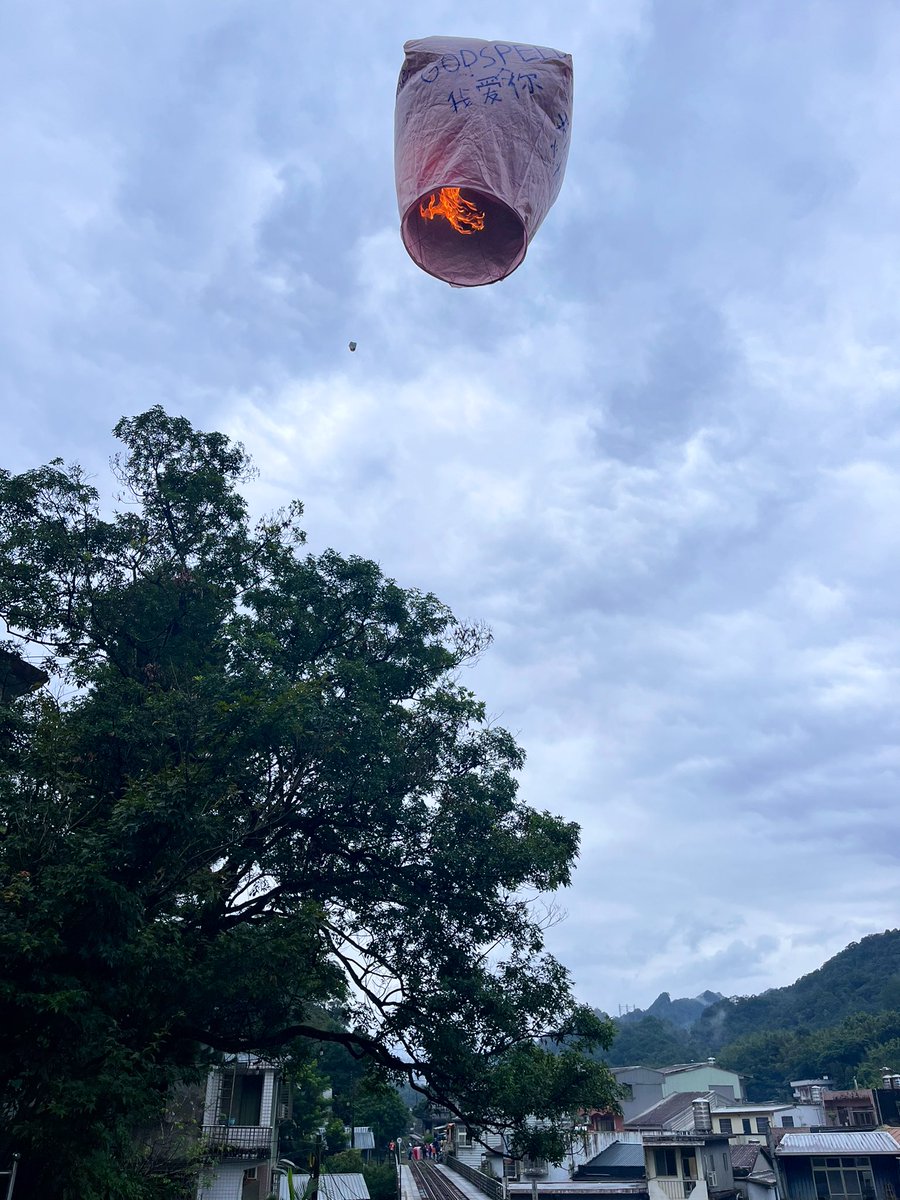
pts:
pixel 461 213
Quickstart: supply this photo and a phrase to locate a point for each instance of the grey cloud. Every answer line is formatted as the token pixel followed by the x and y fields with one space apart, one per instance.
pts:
pixel 661 459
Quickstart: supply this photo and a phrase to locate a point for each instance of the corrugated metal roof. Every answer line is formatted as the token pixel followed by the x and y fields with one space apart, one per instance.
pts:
pixel 363 1138
pixel 675 1112
pixel 620 1154
pixel 348 1185
pixel 747 1110
pixel 840 1142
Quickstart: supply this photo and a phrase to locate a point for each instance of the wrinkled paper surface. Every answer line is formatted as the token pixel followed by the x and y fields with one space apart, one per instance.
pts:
pixel 493 118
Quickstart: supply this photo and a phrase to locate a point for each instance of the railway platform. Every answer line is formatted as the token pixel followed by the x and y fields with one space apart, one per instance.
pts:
pixel 432 1181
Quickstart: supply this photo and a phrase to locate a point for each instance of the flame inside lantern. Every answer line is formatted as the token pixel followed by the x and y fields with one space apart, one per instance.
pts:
pixel 462 214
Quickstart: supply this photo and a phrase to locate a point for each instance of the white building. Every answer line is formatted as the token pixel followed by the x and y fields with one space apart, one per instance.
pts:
pixel 244 1100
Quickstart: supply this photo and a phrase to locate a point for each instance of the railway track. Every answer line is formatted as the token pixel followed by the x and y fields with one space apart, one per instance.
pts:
pixel 434 1184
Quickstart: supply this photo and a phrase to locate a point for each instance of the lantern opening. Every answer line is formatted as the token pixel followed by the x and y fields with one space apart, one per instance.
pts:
pixel 495 251
pixel 462 214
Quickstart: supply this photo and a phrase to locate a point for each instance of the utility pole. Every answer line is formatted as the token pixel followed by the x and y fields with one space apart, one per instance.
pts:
pixel 12 1176
pixel 316 1168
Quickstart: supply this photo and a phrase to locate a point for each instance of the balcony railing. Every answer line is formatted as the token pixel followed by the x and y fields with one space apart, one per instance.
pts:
pixel 676 1189
pixel 238 1141
pixel 675 1135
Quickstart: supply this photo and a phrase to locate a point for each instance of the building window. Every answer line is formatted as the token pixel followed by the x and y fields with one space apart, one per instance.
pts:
pixel 688 1164
pixel 745 1121
pixel 240 1100
pixel 725 1125
pixel 843 1179
pixel 534 1166
pixel 862 1117
pixel 787 1122
pixel 664 1163
pixel 762 1124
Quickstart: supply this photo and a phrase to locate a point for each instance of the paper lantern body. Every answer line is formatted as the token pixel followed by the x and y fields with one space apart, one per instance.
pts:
pixel 481 132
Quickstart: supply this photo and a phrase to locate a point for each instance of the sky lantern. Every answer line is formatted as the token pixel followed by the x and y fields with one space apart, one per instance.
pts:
pixel 481 137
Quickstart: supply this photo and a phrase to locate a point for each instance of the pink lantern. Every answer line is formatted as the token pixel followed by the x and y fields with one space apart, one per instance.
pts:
pixel 481 137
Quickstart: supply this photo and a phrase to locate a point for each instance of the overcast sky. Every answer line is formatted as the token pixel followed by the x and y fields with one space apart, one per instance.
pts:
pixel 662 460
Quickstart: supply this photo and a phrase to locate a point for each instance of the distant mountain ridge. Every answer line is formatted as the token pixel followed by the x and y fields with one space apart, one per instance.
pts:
pixel 682 1013
pixel 801 1024
pixel 864 977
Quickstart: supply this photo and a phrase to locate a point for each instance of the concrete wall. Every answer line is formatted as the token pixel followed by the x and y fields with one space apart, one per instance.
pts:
pixel 804 1116
pixel 226 1184
pixel 704 1078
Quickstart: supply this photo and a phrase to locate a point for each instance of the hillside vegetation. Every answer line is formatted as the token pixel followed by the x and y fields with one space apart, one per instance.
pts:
pixel 863 978
pixel 841 1020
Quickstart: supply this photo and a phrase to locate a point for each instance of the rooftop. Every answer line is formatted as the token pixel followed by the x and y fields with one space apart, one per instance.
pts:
pixel 731 1110
pixel 675 1112
pixel 839 1142
pixel 619 1154
pixel 348 1185
pixel 743 1158
pixel 696 1066
pixel 584 1188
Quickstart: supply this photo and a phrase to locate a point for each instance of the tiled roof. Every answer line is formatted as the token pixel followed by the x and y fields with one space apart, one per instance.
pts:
pixel 839 1142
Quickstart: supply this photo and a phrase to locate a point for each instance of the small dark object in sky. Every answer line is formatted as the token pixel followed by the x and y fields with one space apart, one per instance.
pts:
pixel 353 345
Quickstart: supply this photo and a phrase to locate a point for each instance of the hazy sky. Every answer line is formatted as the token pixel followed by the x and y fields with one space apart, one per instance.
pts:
pixel 662 460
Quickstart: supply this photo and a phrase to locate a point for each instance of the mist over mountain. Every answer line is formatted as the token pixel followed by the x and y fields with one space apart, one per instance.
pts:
pixel 682 1013
pixel 862 978
pixel 842 1019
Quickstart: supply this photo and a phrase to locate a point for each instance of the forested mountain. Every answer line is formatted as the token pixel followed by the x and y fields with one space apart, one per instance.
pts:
pixel 650 1042
pixel 851 1052
pixel 683 1013
pixel 841 1020
pixel 863 978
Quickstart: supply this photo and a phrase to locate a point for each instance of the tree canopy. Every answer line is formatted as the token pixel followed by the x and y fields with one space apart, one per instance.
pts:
pixel 863 977
pixel 256 789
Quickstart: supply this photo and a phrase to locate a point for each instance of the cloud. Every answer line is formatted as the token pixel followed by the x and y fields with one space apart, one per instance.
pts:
pixel 661 459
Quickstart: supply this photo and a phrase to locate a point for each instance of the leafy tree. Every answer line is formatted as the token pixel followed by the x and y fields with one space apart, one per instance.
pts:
pixel 345 1161
pixel 335 1136
pixel 381 1181
pixel 380 1108
pixel 854 1049
pixel 768 1061
pixel 255 791
pixel 309 1109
